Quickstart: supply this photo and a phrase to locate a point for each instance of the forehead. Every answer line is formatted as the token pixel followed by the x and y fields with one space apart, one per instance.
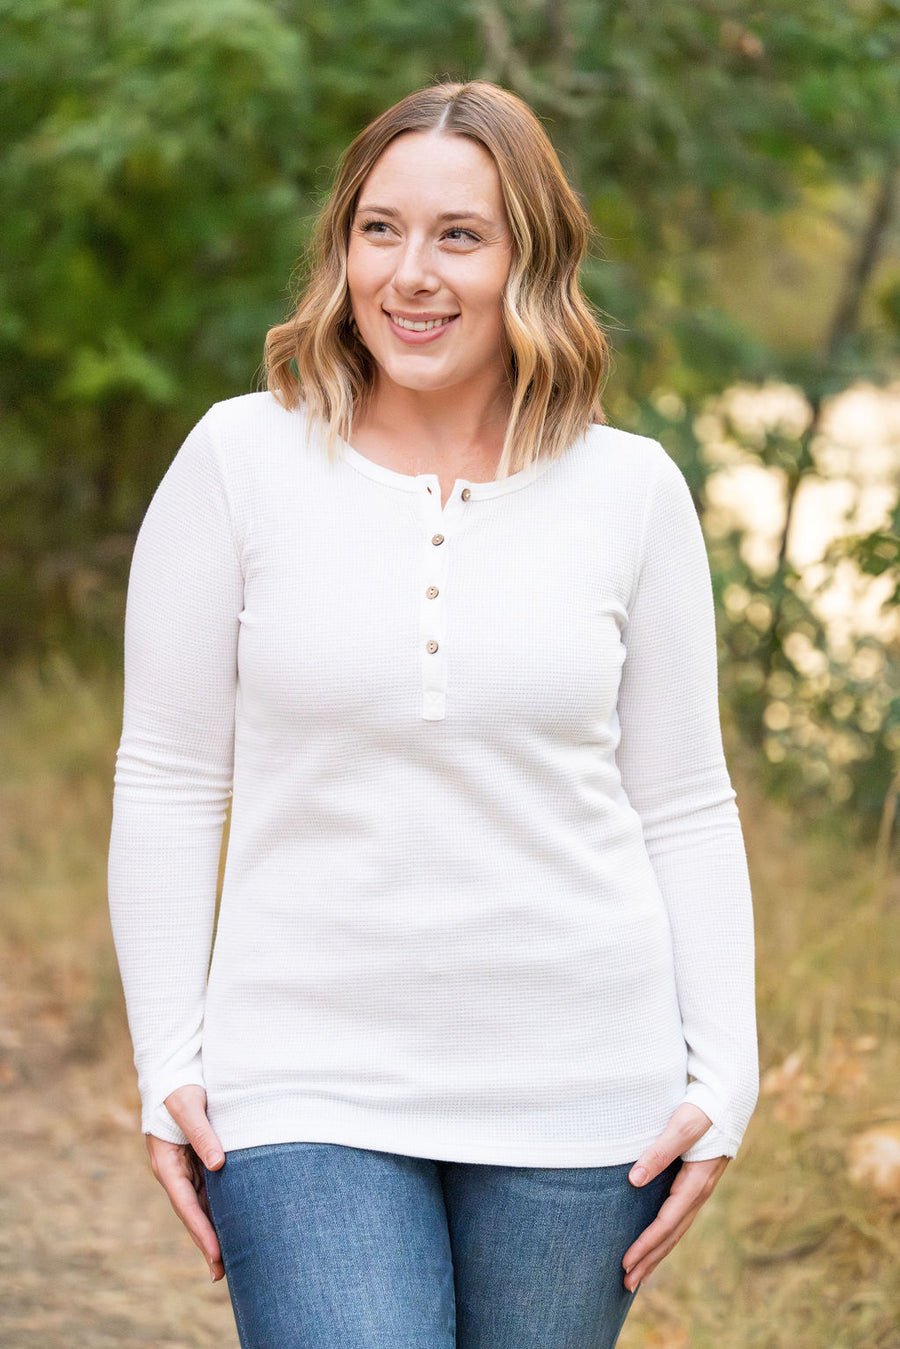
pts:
pixel 435 168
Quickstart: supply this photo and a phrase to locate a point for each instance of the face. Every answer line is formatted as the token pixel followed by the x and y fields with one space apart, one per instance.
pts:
pixel 429 253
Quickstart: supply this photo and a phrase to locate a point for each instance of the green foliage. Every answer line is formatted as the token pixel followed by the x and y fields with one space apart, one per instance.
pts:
pixel 162 164
pixel 876 553
pixel 151 196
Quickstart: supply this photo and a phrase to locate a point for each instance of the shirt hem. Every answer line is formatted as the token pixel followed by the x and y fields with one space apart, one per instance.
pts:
pixel 436 1148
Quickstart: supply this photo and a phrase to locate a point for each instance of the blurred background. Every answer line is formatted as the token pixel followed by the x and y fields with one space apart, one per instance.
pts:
pixel 161 164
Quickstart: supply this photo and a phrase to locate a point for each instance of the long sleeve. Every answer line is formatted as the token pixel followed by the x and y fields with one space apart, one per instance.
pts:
pixel 674 774
pixel 174 768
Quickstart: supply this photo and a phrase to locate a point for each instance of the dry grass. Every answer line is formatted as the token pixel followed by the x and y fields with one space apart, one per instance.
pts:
pixel 798 1249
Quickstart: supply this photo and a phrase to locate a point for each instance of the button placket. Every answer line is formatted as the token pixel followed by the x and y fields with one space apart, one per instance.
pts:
pixel 436 548
pixel 439 528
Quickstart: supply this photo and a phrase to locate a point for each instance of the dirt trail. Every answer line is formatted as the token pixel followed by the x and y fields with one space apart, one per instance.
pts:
pixel 91 1256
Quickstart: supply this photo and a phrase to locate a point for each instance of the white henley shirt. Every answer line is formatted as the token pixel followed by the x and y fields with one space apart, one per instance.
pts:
pixel 485 896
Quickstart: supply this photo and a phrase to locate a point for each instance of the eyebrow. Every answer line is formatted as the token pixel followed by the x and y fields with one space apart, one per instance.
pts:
pixel 444 217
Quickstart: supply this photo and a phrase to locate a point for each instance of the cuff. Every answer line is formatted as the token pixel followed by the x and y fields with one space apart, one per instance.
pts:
pixel 161 1124
pixel 717 1141
pixel 714 1143
pixel 155 1118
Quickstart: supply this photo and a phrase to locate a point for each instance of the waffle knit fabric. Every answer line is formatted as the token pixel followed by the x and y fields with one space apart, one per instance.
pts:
pixel 486 896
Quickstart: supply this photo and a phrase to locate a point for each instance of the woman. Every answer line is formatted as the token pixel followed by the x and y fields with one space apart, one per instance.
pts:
pixel 478 1037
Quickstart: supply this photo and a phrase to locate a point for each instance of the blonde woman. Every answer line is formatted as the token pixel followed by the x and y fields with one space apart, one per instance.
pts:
pixel 477 1039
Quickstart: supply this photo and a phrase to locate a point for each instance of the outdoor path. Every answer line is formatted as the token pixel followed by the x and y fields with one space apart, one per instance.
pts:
pixel 91 1255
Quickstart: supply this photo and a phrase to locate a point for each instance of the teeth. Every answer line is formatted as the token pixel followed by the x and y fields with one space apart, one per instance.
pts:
pixel 425 326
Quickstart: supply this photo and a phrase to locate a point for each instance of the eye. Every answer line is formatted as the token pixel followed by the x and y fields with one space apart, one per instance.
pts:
pixel 459 235
pixel 376 228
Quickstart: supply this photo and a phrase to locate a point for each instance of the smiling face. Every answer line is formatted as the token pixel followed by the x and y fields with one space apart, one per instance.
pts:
pixel 429 253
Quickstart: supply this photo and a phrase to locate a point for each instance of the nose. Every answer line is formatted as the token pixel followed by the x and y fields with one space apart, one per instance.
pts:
pixel 415 270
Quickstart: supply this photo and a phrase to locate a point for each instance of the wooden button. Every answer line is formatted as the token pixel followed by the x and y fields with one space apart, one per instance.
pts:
pixel 431 646
pixel 436 539
pixel 465 494
pixel 432 592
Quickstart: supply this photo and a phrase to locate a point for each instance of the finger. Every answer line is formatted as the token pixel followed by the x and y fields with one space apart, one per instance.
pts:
pixel 180 1184
pixel 644 1267
pixel 692 1187
pixel 676 1208
pixel 685 1127
pixel 198 1180
pixel 187 1106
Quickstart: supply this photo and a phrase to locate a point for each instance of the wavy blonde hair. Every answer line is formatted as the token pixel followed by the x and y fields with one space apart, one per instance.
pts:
pixel 558 351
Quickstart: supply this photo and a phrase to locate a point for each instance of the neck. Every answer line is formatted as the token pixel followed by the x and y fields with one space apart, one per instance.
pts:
pixel 436 426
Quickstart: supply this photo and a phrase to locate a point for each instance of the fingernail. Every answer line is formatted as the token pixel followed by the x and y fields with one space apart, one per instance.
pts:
pixel 637 1175
pixel 214 1159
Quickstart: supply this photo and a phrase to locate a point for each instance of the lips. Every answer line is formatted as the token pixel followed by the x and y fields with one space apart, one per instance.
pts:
pixel 419 329
pixel 421 324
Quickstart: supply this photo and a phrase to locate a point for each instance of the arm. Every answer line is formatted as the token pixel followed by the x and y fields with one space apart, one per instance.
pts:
pixel 173 781
pixel 674 774
pixel 173 771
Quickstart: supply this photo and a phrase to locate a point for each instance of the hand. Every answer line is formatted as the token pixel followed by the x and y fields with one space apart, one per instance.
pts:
pixel 177 1167
pixel 691 1188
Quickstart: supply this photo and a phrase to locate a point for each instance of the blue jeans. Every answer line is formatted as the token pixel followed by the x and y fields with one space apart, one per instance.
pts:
pixel 334 1247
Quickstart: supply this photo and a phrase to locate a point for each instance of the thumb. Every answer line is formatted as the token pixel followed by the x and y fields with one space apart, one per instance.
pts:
pixel 187 1106
pixel 688 1124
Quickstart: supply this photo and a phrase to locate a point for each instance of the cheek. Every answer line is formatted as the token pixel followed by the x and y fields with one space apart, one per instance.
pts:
pixel 490 311
pixel 353 276
pixel 488 293
pixel 361 274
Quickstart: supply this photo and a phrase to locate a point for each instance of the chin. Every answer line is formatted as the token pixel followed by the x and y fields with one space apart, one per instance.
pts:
pixel 417 382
